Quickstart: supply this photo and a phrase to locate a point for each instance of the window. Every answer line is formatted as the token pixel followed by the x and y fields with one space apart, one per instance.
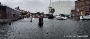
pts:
pixel 0 13
pixel 14 15
pixel 81 8
pixel 88 7
pixel 76 4
pixel 77 8
pixel 81 0
pixel 88 2
pixel 82 3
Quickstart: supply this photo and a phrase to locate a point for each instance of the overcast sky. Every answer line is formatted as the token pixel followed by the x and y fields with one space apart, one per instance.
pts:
pixel 29 5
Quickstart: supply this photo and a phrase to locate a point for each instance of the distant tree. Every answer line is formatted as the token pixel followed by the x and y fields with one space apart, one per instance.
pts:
pixel 17 8
pixel 38 13
pixel 52 10
pixel 24 13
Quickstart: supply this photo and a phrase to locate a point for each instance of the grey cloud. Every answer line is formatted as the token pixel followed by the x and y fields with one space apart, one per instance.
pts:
pixel 29 5
pixel 34 3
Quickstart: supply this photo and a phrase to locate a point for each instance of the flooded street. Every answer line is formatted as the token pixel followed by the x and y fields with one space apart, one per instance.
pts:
pixel 52 29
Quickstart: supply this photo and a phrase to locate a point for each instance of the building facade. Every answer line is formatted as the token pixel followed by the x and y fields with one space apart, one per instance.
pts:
pixel 63 7
pixel 8 13
pixel 82 7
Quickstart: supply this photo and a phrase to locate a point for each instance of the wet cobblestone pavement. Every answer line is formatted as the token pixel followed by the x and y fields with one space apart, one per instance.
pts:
pixel 52 29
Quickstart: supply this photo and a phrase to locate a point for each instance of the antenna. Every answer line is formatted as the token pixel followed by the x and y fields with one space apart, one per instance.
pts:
pixel 50 4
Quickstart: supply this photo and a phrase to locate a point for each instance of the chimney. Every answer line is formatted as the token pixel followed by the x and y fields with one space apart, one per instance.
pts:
pixel 79 0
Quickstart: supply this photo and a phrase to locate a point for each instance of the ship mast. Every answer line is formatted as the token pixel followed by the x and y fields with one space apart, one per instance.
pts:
pixel 50 4
pixel 58 7
pixel 50 7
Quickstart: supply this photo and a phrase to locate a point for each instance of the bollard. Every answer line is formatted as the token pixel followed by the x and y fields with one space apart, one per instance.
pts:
pixel 10 23
pixel 31 20
pixel 40 21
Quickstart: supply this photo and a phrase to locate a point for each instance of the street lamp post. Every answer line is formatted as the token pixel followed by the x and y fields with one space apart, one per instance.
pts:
pixel 78 12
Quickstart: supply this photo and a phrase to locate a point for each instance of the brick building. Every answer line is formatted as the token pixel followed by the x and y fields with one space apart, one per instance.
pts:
pixel 81 7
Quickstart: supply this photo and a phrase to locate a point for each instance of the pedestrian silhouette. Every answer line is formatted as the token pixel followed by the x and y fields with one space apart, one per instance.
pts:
pixel 9 22
pixel 31 19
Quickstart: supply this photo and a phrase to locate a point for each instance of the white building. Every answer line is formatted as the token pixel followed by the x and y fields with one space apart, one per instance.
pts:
pixel 63 7
pixel 46 11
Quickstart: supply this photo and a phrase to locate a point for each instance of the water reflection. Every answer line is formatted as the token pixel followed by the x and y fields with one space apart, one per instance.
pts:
pixel 52 29
pixel 83 28
pixel 4 28
pixel 40 26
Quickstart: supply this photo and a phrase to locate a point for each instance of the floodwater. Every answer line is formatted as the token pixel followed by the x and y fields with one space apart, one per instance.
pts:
pixel 52 29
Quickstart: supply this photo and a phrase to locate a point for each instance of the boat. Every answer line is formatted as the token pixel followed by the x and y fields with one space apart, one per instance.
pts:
pixel 61 17
pixel 85 17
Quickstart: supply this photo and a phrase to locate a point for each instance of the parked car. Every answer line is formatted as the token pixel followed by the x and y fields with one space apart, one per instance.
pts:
pixel 61 17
